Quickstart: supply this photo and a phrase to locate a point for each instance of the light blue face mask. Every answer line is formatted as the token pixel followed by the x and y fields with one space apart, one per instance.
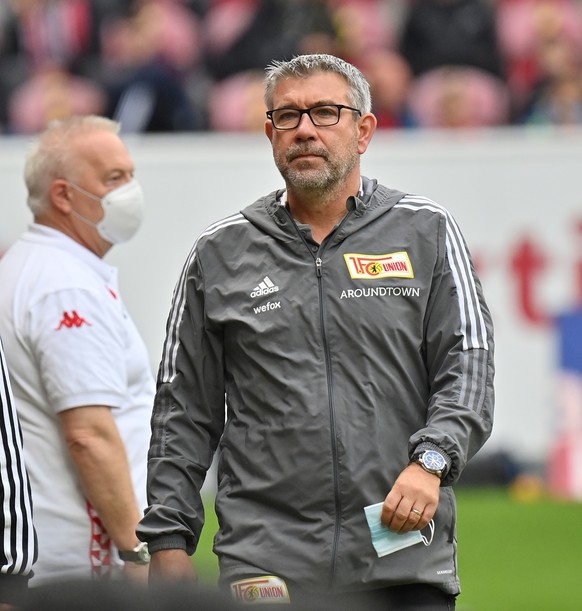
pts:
pixel 386 541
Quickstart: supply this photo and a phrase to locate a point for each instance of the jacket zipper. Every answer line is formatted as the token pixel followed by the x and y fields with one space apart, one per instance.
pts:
pixel 337 499
pixel 319 275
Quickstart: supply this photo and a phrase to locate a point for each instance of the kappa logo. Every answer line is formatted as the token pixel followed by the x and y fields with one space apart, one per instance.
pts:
pixel 266 287
pixel 72 320
pixel 374 267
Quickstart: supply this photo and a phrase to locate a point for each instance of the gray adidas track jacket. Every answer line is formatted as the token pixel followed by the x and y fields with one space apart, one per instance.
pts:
pixel 337 362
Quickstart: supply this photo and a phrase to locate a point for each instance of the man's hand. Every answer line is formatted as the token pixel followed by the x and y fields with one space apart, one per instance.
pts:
pixel 171 565
pixel 413 500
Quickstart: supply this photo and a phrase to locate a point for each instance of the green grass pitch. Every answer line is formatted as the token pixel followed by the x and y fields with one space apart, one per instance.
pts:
pixel 518 551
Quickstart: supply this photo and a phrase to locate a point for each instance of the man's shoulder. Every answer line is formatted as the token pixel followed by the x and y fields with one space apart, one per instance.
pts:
pixel 223 231
pixel 420 203
pixel 239 223
pixel 376 194
pixel 42 268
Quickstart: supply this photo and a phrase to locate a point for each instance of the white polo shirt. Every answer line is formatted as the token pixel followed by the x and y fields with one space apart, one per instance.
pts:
pixel 70 342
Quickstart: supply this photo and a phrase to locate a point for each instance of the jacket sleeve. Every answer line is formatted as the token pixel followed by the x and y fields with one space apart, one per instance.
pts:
pixel 187 420
pixel 458 346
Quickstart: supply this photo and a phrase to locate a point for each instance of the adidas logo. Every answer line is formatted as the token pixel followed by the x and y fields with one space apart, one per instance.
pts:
pixel 266 287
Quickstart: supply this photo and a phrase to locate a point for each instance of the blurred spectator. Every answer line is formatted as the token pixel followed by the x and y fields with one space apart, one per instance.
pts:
pixel 42 35
pixel 248 34
pixel 556 97
pixel 148 56
pixel 526 29
pixel 245 35
pixel 160 63
pixel 198 7
pixel 236 103
pixel 390 77
pixel 564 468
pixel 362 27
pixel 437 33
pixel 560 103
pixel 458 97
pixel 50 93
pixel 61 31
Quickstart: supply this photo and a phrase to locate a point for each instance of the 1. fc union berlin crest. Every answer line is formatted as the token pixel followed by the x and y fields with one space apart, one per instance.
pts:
pixel 373 267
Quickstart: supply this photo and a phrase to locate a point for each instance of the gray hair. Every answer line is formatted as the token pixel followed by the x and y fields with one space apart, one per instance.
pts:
pixel 302 66
pixel 49 157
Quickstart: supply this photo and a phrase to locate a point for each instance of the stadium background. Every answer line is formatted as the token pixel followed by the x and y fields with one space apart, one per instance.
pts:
pixel 516 194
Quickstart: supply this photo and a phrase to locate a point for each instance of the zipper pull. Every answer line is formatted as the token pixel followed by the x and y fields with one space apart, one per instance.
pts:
pixel 318 263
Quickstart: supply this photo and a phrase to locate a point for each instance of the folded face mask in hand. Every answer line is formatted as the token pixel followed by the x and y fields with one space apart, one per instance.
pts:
pixel 386 541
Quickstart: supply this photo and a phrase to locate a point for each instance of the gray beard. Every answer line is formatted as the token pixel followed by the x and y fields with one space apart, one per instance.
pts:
pixel 317 181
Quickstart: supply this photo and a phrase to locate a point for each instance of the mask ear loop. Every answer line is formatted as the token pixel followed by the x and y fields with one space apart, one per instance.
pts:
pixel 426 541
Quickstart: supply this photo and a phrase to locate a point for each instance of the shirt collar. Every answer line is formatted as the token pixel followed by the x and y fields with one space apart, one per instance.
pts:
pixel 48 236
pixel 283 197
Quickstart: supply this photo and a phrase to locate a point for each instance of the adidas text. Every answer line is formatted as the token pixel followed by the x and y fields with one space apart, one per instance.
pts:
pixel 259 292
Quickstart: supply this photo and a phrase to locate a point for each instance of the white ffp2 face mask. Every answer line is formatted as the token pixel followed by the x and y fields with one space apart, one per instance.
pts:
pixel 123 211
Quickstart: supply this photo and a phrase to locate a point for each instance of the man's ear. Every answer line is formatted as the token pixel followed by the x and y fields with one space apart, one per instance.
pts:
pixel 269 129
pixel 366 130
pixel 60 195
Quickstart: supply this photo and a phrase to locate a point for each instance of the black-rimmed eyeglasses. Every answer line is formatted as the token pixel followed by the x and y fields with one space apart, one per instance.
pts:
pixel 324 115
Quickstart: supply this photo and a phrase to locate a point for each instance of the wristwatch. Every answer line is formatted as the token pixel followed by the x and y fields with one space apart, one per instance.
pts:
pixel 139 554
pixel 432 461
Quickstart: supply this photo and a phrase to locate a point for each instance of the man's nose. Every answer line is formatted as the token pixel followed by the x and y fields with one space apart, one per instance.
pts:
pixel 306 125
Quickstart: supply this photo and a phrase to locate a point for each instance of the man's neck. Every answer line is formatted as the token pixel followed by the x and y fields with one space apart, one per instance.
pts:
pixel 322 212
pixel 322 220
pixel 90 241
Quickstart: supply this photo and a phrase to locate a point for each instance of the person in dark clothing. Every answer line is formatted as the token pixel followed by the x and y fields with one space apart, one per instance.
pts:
pixel 277 30
pixel 451 32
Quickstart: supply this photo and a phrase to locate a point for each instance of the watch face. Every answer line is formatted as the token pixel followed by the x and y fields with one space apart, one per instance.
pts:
pixel 143 553
pixel 433 460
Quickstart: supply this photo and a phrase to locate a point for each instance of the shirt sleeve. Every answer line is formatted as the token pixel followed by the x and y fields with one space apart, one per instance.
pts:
pixel 80 342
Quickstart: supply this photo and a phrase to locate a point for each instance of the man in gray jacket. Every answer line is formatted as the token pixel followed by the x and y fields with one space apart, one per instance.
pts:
pixel 345 326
